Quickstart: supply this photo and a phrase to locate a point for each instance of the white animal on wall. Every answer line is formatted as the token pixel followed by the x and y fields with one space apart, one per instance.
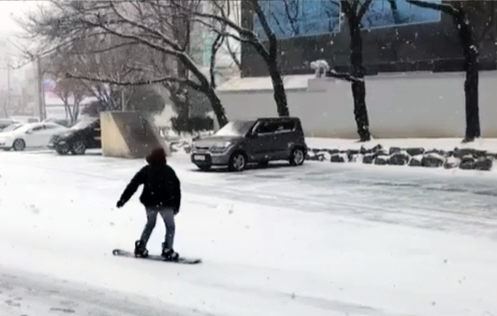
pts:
pixel 320 67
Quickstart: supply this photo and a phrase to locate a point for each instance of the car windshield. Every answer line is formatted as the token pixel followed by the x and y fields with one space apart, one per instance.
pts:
pixel 11 128
pixel 235 128
pixel 82 124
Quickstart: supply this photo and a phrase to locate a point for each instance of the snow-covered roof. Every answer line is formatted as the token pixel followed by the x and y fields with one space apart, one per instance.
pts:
pixel 291 82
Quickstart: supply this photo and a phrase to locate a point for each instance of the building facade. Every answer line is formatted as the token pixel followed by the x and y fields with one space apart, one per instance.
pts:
pixel 413 59
pixel 407 38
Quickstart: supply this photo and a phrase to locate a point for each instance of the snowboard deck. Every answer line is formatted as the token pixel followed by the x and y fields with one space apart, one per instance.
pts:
pixel 129 254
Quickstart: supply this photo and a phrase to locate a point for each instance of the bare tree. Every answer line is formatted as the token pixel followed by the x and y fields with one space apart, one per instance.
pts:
pixel 470 41
pixel 137 24
pixel 354 11
pixel 266 47
pixel 71 92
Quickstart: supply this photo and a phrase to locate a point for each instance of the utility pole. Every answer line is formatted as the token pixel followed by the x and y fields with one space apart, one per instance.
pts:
pixel 41 90
pixel 123 104
pixel 8 92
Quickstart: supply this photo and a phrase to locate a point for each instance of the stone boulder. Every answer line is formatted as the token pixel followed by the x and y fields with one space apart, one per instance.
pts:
pixel 394 150
pixel 416 161
pixel 432 160
pixel 399 159
pixel 368 158
pixel 467 162
pixel 484 163
pixel 381 160
pixel 337 158
pixel 415 151
pixel 452 163
pixel 351 153
pixel 462 152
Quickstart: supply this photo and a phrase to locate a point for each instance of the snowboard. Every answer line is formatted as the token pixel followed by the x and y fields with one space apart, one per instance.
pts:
pixel 129 254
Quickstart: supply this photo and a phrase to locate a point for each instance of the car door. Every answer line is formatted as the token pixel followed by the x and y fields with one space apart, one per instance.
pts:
pixel 284 138
pixel 261 143
pixel 34 136
pixel 48 131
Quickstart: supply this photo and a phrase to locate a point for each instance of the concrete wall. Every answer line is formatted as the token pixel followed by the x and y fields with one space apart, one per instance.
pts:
pixel 128 135
pixel 421 104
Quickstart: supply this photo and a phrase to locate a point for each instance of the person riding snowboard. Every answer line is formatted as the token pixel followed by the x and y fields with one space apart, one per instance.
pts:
pixel 161 195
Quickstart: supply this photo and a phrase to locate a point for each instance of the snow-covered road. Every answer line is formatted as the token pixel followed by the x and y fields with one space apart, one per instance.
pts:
pixel 22 293
pixel 322 239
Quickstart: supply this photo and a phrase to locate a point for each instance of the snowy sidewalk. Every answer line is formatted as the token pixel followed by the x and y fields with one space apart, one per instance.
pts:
pixel 489 144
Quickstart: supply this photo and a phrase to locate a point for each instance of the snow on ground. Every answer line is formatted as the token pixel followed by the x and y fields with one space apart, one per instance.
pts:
pixel 321 239
pixel 489 144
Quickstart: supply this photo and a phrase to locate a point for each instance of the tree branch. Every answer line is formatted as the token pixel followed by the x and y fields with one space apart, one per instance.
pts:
pixel 444 7
pixel 138 82
pixel 344 76
pixel 146 28
pixel 364 8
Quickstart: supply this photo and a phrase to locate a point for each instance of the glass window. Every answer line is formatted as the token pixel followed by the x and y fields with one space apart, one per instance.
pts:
pixel 266 127
pixel 37 128
pixel 287 126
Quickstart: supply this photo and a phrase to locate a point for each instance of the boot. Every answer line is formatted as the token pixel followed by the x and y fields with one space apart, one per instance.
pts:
pixel 140 250
pixel 169 254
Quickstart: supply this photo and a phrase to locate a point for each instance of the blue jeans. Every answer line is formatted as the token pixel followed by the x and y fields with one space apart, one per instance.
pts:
pixel 167 215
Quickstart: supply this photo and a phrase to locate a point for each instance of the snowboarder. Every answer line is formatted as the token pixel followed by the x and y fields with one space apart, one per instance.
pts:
pixel 161 195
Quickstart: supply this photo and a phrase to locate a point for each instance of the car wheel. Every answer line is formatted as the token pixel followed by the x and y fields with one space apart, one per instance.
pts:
pixel 238 162
pixel 297 157
pixel 62 149
pixel 19 145
pixel 79 147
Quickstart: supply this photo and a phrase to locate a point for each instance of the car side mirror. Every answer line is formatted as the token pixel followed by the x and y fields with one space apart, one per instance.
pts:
pixel 29 132
pixel 254 135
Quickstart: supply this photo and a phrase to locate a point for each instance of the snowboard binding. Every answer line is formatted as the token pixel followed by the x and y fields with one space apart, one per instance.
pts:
pixel 169 254
pixel 140 250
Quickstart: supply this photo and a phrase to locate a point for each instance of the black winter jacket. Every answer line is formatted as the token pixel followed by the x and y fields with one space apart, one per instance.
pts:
pixel 161 187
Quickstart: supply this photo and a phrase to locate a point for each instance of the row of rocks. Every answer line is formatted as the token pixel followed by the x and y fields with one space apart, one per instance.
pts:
pixel 463 158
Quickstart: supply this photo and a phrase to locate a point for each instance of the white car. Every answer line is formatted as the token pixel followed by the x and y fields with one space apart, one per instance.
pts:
pixel 29 135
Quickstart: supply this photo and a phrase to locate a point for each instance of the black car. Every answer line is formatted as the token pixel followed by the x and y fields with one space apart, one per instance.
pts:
pixel 82 136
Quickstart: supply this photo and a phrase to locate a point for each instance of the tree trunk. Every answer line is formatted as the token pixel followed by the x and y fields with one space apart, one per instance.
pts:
pixel 358 85
pixel 216 105
pixel 75 112
pixel 278 89
pixel 471 66
pixel 395 11
pixel 472 110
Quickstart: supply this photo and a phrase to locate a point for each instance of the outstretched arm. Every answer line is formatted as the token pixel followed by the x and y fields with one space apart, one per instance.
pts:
pixel 132 187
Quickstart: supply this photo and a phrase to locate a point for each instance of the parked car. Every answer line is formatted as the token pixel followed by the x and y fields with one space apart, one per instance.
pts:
pixel 11 127
pixel 259 141
pixel 4 123
pixel 63 122
pixel 29 135
pixel 82 136
pixel 26 119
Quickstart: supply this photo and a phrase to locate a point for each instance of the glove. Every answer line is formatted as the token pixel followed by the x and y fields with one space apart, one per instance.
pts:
pixel 120 204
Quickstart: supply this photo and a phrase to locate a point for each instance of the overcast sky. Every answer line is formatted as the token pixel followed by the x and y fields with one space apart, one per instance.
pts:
pixel 9 10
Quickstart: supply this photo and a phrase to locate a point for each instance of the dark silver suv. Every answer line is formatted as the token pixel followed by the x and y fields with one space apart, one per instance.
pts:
pixel 260 141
